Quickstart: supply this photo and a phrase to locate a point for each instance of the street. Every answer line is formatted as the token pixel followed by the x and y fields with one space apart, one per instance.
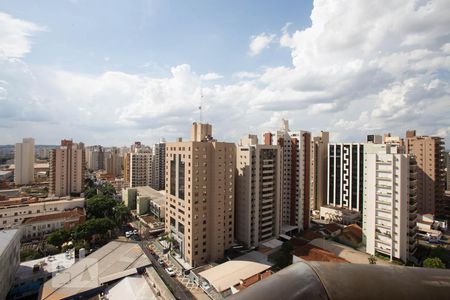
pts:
pixel 179 291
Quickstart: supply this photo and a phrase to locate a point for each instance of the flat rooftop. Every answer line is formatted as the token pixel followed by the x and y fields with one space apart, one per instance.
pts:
pixel 156 196
pixel 115 258
pixel 230 273
pixel 49 264
pixel 6 236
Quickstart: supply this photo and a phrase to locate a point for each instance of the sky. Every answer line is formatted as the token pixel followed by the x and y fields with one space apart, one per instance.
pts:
pixel 115 72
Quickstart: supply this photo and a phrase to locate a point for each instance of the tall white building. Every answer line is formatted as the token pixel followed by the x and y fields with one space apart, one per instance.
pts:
pixel 389 209
pixel 159 161
pixel 140 167
pixel 258 206
pixel 24 162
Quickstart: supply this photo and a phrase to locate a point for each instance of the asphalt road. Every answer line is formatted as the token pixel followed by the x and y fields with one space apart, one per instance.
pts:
pixel 179 290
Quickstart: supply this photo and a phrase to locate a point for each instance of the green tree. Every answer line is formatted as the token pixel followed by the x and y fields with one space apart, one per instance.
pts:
pixel 121 214
pixel 106 189
pixel 90 192
pixel 93 227
pixel 58 237
pixel 433 262
pixel 100 206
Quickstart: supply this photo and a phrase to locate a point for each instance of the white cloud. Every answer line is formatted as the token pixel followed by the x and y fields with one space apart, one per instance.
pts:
pixel 259 42
pixel 357 69
pixel 211 76
pixel 14 35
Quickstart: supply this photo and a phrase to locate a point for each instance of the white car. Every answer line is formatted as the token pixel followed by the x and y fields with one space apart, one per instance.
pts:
pixel 128 234
pixel 170 271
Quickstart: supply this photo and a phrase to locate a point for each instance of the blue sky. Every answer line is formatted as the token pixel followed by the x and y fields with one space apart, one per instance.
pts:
pixel 115 72
pixel 151 36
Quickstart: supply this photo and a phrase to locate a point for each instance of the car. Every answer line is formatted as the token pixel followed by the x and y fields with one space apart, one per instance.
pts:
pixel 128 234
pixel 161 262
pixel 135 231
pixel 170 271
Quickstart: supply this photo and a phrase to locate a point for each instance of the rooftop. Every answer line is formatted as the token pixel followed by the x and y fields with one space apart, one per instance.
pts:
pixel 76 212
pixel 230 273
pixel 111 259
pixel 156 196
pixel 6 237
pixel 132 287
pixel 49 264
pixel 312 253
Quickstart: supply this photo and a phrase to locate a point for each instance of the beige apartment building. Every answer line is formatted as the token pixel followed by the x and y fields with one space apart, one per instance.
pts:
pixel 200 196
pixel 67 169
pixel 24 162
pixel 429 154
pixel 258 188
pixel 318 180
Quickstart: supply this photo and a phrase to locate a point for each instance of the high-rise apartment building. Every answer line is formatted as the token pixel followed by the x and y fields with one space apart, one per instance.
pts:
pixel 113 162
pixel 140 169
pixel 447 155
pixel 389 210
pixel 67 169
pixel 24 162
pixel 200 196
pixel 159 160
pixel 95 158
pixel 345 176
pixel 429 154
pixel 258 182
pixel 318 171
pixel 295 179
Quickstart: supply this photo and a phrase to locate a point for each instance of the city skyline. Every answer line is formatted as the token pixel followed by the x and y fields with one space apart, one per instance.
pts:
pixel 140 73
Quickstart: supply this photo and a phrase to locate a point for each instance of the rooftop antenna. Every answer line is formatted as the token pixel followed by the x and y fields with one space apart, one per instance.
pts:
pixel 201 103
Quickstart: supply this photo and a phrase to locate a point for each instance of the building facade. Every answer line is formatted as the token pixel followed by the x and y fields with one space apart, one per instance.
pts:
pixel 345 176
pixel 429 154
pixel 389 210
pixel 159 161
pixel 67 169
pixel 14 212
pixel 295 185
pixel 113 162
pixel 9 259
pixel 141 168
pixel 24 162
pixel 318 180
pixel 258 205
pixel 200 196
pixel 95 158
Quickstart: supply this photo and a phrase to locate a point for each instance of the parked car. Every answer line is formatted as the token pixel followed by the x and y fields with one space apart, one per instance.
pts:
pixel 161 262
pixel 170 271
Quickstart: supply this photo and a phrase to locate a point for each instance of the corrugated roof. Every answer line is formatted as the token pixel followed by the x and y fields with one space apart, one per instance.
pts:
pixel 114 257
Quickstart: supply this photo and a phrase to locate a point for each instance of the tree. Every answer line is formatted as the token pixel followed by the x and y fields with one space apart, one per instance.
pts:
pixel 58 237
pixel 106 189
pixel 90 192
pixel 283 257
pixel 92 227
pixel 433 262
pixel 121 214
pixel 100 206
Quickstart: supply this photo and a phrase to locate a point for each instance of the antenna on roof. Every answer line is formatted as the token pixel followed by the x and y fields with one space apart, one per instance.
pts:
pixel 201 103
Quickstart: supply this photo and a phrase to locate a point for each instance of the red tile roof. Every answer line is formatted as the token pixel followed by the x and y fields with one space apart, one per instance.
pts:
pixel 76 212
pixel 312 253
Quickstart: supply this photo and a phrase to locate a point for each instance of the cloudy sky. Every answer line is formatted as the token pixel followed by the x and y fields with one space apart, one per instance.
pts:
pixel 114 72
